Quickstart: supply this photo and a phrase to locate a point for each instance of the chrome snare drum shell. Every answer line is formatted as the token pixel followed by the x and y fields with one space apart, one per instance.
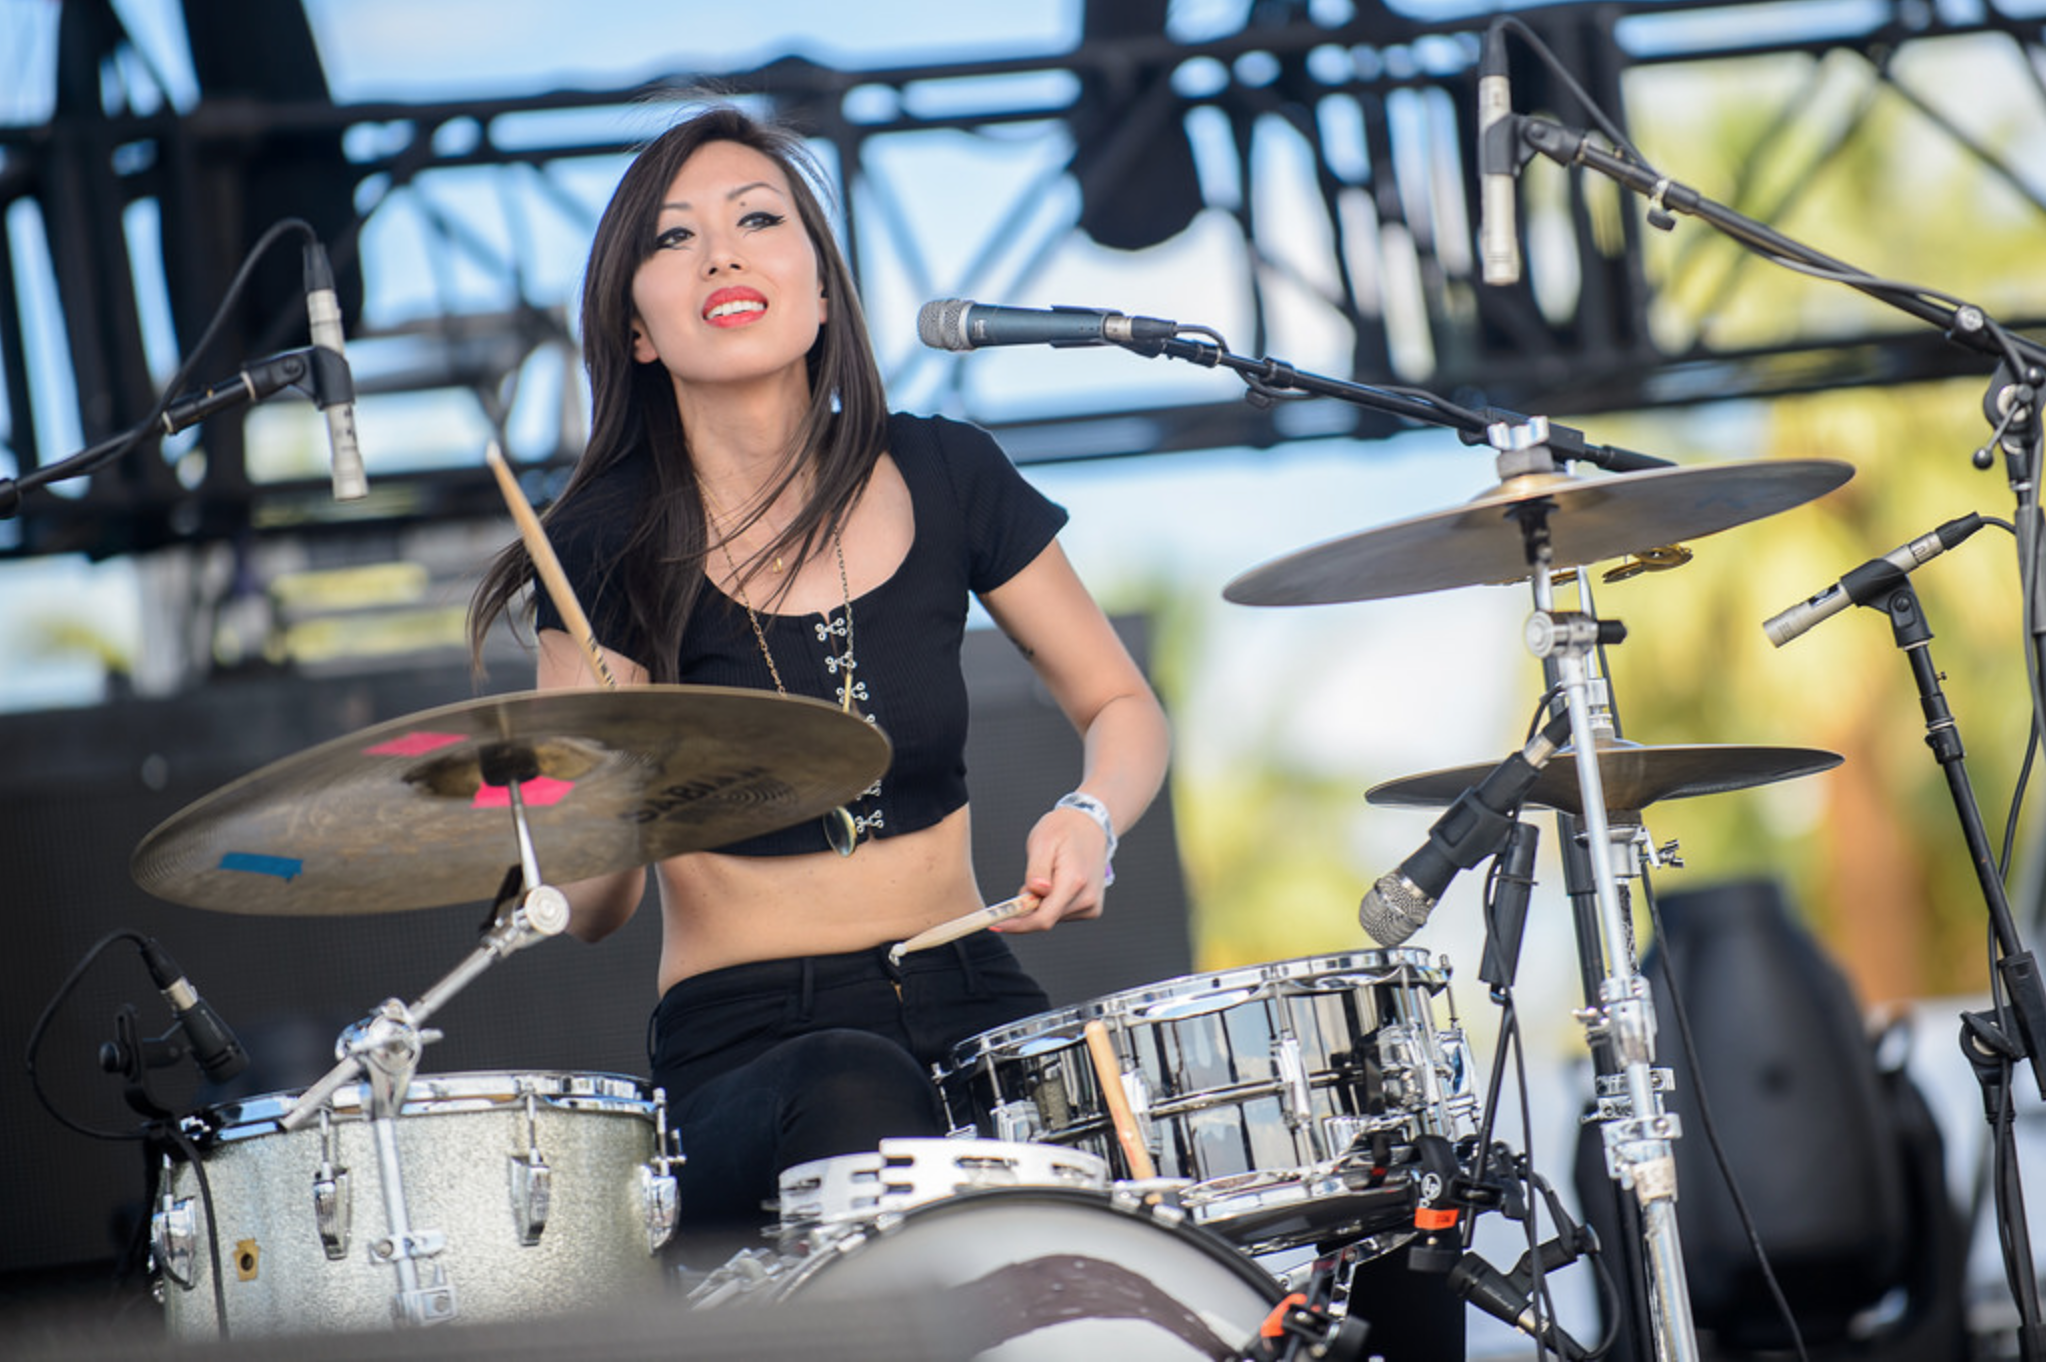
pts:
pixel 1255 1080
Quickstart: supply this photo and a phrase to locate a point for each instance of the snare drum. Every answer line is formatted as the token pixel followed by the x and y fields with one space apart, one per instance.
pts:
pixel 524 1192
pixel 1247 1083
pixel 1040 1274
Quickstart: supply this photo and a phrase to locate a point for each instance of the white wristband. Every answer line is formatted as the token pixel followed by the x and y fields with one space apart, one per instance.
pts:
pixel 1095 810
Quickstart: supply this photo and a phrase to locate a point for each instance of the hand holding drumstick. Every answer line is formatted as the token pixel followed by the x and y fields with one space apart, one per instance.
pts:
pixel 548 566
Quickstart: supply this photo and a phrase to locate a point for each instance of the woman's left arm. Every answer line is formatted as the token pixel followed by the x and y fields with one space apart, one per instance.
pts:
pixel 1055 623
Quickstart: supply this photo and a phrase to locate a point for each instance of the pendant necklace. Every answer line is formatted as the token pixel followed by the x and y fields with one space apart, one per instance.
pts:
pixel 842 830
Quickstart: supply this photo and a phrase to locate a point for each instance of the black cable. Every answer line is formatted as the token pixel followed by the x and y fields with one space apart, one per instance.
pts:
pixel 2032 741
pixel 2012 1234
pixel 198 1166
pixel 1740 1205
pixel 120 446
pixel 150 1131
pixel 1569 82
pixel 2017 802
pixel 1510 1043
pixel 35 1036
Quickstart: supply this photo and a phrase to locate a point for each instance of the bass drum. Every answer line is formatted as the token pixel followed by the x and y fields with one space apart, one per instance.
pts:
pixel 1049 1275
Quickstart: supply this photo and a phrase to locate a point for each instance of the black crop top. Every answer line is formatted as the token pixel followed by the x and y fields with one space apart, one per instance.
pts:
pixel 978 523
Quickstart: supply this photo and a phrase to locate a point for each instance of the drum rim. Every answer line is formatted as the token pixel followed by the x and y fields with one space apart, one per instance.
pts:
pixel 1181 1226
pixel 1393 965
pixel 442 1094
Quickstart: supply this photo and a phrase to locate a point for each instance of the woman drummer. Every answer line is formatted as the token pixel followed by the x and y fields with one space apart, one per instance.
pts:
pixel 748 513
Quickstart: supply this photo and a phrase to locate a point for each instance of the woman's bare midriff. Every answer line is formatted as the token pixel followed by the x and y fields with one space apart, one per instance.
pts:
pixel 729 910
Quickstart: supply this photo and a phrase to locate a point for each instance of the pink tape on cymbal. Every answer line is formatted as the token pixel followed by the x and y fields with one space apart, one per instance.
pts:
pixel 538 793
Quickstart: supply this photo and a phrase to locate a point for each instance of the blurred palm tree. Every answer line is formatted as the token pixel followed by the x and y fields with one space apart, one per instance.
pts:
pixel 1871 852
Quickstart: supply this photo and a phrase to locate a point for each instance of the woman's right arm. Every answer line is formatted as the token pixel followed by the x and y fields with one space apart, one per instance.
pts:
pixel 600 906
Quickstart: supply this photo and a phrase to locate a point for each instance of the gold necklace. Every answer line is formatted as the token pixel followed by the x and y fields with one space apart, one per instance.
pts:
pixel 719 519
pixel 841 829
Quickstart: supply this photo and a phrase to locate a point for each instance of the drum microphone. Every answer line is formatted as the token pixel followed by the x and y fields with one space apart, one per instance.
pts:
pixel 1473 828
pixel 1498 165
pixel 956 324
pixel 1869 581
pixel 1492 1291
pixel 333 384
pixel 214 1047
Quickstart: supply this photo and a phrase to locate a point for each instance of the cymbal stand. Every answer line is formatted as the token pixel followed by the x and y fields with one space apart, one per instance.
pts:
pixel 383 1050
pixel 1637 1132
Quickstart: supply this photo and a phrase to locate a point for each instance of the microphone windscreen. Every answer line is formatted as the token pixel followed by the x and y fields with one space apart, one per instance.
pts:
pixel 941 324
pixel 1394 910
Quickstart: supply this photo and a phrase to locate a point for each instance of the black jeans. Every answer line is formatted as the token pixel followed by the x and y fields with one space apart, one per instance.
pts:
pixel 778 1062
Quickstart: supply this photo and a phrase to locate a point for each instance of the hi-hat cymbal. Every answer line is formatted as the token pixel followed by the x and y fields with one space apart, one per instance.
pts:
pixel 1591 519
pixel 1633 776
pixel 415 813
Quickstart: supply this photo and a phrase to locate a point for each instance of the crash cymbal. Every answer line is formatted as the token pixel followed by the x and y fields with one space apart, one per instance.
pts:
pixel 1591 519
pixel 1634 776
pixel 414 812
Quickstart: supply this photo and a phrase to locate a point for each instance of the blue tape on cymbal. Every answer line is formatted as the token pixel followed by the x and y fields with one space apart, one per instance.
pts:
pixel 283 867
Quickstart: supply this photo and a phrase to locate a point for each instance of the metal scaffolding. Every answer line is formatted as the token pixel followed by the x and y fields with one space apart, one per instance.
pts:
pixel 1328 165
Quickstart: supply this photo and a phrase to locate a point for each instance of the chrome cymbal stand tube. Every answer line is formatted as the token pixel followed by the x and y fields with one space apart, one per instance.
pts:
pixel 1638 1134
pixel 383 1050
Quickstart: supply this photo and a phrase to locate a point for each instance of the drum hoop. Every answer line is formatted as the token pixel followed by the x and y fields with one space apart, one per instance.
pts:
pixel 1200 994
pixel 444 1095
pixel 1179 1226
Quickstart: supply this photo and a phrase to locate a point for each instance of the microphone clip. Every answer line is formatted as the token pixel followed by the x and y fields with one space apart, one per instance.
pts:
pixel 1502 150
pixel 134 1057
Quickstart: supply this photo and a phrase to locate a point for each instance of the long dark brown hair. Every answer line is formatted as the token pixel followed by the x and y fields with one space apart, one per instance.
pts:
pixel 633 405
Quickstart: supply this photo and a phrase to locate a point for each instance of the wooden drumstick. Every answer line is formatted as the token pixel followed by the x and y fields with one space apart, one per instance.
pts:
pixel 548 566
pixel 1108 1077
pixel 964 925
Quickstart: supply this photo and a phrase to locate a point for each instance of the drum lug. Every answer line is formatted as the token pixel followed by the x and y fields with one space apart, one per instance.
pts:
pixel 532 1181
pixel 1292 1070
pixel 173 1239
pixel 660 1195
pixel 333 1201
pixel 532 1196
pixel 1018 1121
pixel 1138 1089
pixel 661 1202
pixel 333 1210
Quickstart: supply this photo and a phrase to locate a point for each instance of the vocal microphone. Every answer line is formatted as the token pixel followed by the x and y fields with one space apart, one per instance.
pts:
pixel 957 324
pixel 1498 165
pixel 1492 1291
pixel 214 1047
pixel 333 384
pixel 1473 828
pixel 1869 581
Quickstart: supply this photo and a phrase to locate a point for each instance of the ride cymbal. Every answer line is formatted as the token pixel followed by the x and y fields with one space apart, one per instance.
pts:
pixel 415 812
pixel 1589 520
pixel 1633 776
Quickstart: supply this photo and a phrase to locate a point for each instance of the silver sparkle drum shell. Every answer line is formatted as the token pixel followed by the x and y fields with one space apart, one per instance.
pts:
pixel 459 1139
